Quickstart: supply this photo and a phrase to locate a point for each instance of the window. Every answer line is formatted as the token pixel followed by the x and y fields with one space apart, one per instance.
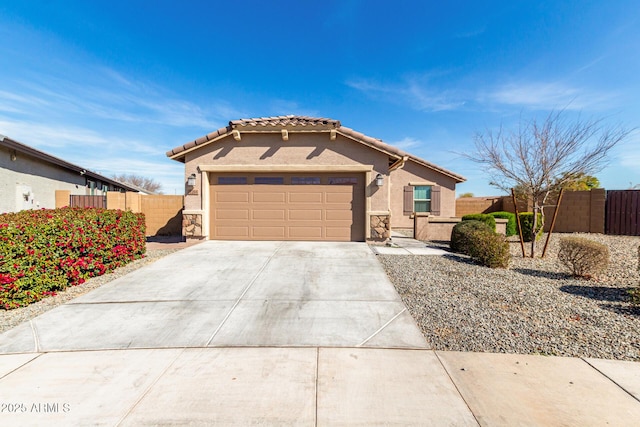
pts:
pixel 232 180
pixel 273 180
pixel 92 187
pixel 343 181
pixel 311 180
pixel 422 198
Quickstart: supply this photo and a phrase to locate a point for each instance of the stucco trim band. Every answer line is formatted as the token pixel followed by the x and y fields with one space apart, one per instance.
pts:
pixel 285 168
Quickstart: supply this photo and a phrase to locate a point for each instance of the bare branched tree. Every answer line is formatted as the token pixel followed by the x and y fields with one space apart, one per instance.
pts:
pixel 539 158
pixel 148 184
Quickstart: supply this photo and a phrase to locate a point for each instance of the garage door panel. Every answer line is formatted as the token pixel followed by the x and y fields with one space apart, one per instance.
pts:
pixel 232 214
pixel 234 196
pixel 268 232
pixel 315 197
pixel 275 214
pixel 306 232
pixel 339 198
pixel 269 197
pixel 305 214
pixel 232 232
pixel 287 212
pixel 338 215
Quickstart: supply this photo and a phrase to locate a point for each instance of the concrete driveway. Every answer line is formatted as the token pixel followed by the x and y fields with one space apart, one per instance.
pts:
pixel 273 333
pixel 234 294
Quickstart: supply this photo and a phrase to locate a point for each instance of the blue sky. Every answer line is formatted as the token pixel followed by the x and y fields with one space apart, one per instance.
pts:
pixel 112 85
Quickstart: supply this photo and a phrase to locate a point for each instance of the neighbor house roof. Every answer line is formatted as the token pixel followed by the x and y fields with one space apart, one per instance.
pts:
pixel 303 123
pixel 41 155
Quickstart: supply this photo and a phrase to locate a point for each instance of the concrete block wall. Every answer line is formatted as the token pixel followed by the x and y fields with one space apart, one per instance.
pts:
pixel 473 205
pixel 163 214
pixel 580 212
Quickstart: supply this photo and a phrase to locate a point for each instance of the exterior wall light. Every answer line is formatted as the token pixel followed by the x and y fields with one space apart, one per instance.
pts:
pixel 379 180
pixel 191 180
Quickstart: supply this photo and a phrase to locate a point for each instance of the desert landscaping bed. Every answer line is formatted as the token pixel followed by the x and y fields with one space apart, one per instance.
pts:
pixel 534 307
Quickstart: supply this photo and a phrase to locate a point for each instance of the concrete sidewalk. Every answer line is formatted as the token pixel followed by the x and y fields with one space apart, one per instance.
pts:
pixel 403 245
pixel 280 333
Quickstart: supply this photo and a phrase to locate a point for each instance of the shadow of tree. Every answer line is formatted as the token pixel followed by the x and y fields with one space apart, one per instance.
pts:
pixel 542 273
pixel 600 293
pixel 625 310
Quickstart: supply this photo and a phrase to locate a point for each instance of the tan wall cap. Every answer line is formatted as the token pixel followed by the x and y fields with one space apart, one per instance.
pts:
pixel 418 183
pixel 444 220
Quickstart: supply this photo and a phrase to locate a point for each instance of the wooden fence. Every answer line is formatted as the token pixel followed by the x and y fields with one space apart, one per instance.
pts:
pixel 88 201
pixel 623 212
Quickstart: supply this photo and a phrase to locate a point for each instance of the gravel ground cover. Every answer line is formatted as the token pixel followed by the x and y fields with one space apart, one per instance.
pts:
pixel 533 307
pixel 12 318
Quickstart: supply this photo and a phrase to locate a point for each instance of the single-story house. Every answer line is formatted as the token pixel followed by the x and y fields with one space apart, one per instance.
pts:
pixel 305 178
pixel 29 178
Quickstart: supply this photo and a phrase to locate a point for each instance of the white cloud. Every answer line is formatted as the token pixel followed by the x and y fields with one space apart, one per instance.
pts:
pixel 547 96
pixel 42 135
pixel 407 143
pixel 413 91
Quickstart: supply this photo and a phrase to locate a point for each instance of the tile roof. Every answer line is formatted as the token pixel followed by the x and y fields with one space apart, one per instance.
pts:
pixel 306 122
pixel 286 121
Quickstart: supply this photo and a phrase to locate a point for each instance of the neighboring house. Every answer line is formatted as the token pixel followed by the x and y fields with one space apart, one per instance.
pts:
pixel 29 178
pixel 305 178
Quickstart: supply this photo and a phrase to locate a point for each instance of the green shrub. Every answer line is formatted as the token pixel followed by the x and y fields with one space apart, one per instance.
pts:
pixel 526 222
pixel 512 226
pixel 486 218
pixel 45 251
pixel 584 258
pixel 489 249
pixel 461 235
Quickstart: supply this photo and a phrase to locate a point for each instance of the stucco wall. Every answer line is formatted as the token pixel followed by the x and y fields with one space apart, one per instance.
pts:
pixel 309 149
pixel 413 172
pixel 27 175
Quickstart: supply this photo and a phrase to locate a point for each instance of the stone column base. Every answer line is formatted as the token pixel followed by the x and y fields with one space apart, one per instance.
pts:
pixel 192 226
pixel 380 227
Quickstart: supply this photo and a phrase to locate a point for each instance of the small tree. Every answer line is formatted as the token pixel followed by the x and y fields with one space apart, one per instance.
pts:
pixel 149 184
pixel 540 158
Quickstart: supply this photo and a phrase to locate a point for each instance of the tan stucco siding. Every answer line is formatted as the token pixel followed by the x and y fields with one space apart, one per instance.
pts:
pixel 307 149
pixel 412 172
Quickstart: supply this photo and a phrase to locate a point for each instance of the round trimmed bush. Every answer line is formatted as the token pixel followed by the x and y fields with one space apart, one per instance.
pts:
pixel 486 218
pixel 512 227
pixel 584 258
pixel 461 235
pixel 489 249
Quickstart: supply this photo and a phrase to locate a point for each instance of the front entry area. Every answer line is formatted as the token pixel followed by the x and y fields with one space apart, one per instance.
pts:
pixel 313 207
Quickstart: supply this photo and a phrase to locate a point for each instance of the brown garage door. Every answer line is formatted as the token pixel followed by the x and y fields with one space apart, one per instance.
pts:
pixel 284 211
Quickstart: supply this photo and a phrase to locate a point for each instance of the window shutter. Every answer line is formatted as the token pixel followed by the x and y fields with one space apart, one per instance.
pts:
pixel 435 200
pixel 408 200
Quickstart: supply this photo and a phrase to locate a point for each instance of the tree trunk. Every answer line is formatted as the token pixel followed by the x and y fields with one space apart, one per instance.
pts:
pixel 534 228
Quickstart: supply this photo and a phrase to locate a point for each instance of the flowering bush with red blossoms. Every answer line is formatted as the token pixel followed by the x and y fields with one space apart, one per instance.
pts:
pixel 45 251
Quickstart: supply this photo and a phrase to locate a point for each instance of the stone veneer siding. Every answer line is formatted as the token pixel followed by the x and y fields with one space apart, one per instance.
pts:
pixel 380 229
pixel 192 225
